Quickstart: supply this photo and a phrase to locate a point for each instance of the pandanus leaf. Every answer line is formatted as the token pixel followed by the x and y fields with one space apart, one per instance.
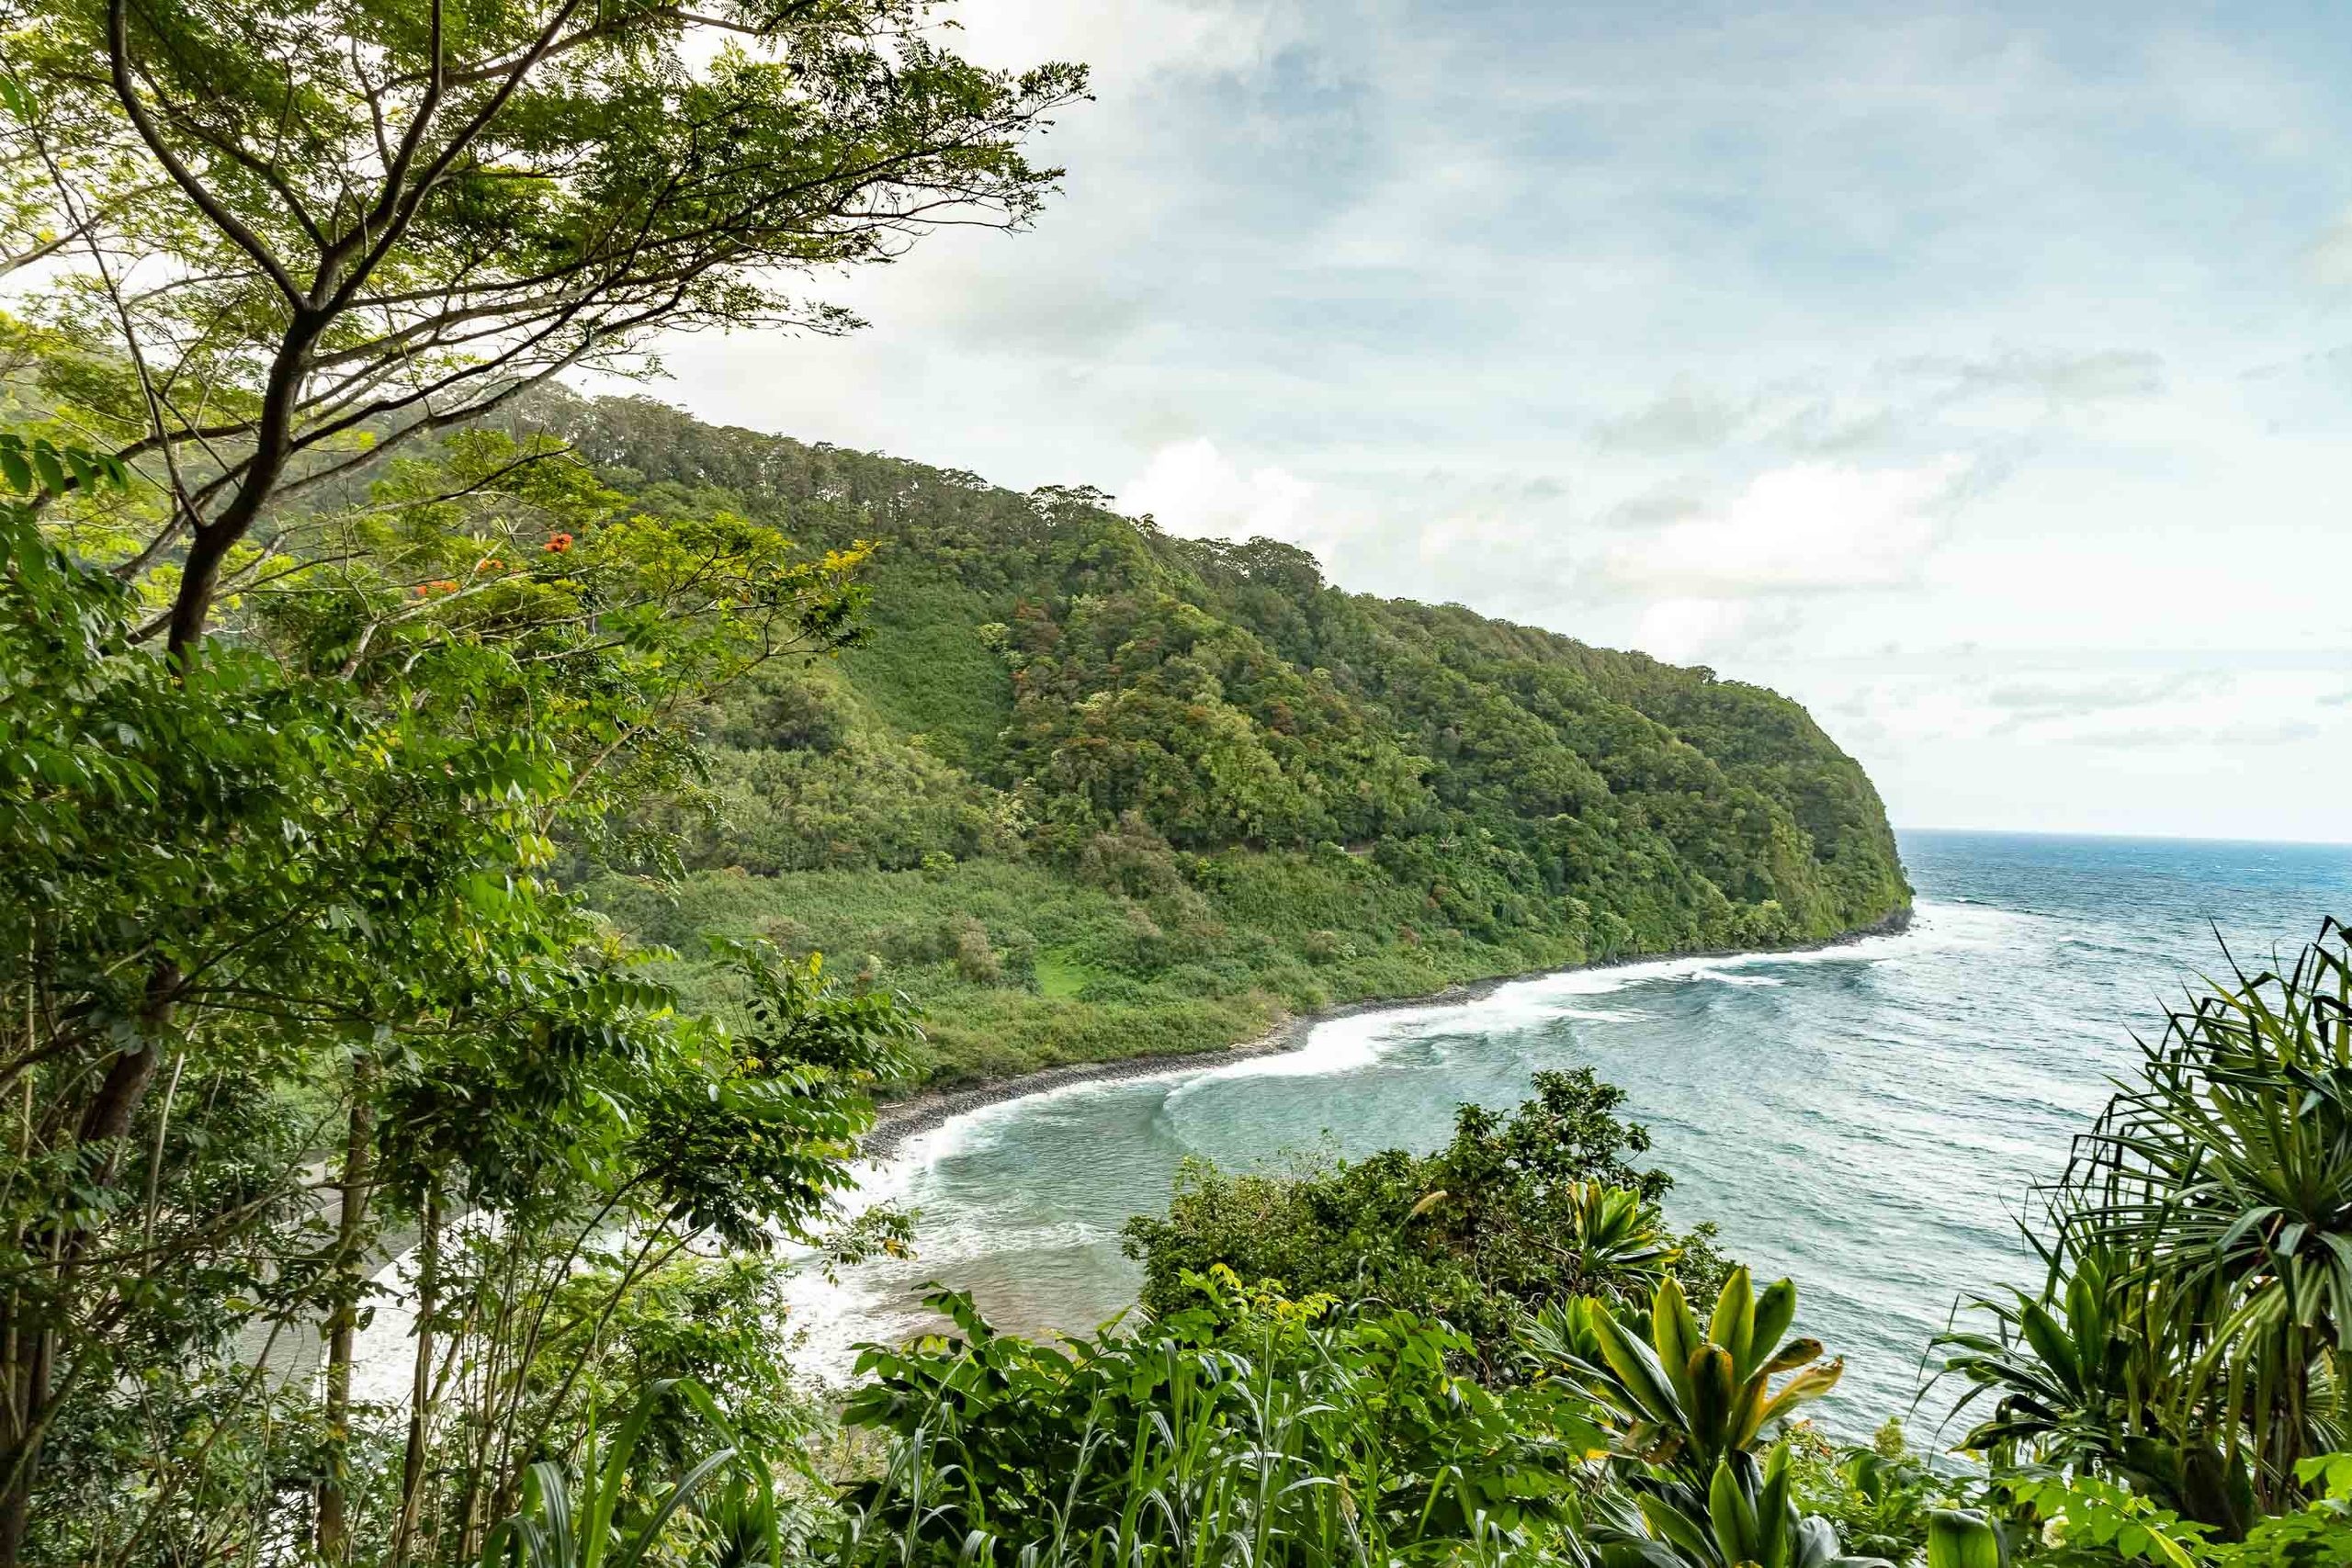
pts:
pixel 2053 1344
pixel 1734 1324
pixel 2087 1317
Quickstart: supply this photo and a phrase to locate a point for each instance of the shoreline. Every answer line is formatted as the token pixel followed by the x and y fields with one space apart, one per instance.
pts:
pixel 897 1121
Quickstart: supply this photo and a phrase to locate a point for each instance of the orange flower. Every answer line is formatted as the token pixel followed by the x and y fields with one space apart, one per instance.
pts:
pixel 559 543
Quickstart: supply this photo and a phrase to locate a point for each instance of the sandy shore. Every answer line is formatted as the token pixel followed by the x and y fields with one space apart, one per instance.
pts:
pixel 899 1119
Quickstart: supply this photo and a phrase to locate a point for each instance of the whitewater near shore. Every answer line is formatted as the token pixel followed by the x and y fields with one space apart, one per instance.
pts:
pixel 1866 1118
pixel 900 1120
pixel 914 1139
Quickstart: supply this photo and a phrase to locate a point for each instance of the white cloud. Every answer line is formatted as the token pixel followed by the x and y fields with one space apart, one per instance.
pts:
pixel 2327 260
pixel 1192 488
pixel 1769 301
pixel 1809 527
pixel 1684 418
pixel 1121 44
pixel 2058 378
pixel 1687 631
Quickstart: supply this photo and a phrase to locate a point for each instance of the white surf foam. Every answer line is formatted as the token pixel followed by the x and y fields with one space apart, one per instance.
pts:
pixel 831 1317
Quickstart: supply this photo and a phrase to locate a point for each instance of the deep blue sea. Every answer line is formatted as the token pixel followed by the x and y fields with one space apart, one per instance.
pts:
pixel 1868 1119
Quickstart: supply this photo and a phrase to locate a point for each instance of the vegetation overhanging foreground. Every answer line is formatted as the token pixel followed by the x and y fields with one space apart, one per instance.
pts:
pixel 354 723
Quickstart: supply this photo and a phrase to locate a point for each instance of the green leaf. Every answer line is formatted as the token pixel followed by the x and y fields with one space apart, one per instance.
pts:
pixel 1734 1324
pixel 1776 1308
pixel 1712 1392
pixel 53 472
pixel 2052 1343
pixel 1674 1328
pixel 1961 1538
pixel 1733 1515
pixel 1636 1366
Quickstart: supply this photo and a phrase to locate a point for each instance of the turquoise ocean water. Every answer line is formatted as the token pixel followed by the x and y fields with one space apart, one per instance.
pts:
pixel 1866 1119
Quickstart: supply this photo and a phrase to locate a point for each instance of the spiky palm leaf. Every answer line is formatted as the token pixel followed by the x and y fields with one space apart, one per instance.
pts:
pixel 2222 1182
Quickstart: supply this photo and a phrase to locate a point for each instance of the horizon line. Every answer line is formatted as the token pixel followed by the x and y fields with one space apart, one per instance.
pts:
pixel 2133 838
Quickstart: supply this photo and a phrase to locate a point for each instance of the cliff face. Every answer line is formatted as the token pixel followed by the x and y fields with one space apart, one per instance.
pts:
pixel 1056 688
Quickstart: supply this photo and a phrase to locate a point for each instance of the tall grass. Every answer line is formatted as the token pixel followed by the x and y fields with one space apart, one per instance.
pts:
pixel 1251 1431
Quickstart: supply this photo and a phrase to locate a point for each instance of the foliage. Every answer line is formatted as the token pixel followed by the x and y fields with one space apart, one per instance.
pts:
pixel 1496 1358
pixel 1681 1400
pixel 2077 1519
pixel 1248 1426
pixel 552 1530
pixel 338 692
pixel 303 235
pixel 2225 1180
pixel 1880 1498
pixel 2078 1376
pixel 1685 1411
pixel 2320 1532
pixel 2081 1517
pixel 1515 1211
pixel 2189 1339
pixel 260 904
pixel 1092 970
pixel 1314 796
pixel 295 892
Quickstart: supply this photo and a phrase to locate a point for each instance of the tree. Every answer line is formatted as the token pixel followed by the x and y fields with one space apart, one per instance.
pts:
pixel 1517 1210
pixel 288 240
pixel 2191 1334
pixel 347 868
pixel 331 227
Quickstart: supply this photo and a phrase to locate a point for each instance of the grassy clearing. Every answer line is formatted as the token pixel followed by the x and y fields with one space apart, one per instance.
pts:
pixel 1062 972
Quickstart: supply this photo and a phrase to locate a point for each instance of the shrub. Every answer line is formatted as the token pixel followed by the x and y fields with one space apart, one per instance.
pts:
pixel 975 961
pixel 1326 946
pixel 1515 1211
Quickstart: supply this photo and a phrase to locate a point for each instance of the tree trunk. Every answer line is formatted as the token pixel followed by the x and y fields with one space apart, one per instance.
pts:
pixel 198 578
pixel 36 1336
pixel 110 1113
pixel 20 1460
pixel 342 1327
pixel 420 1398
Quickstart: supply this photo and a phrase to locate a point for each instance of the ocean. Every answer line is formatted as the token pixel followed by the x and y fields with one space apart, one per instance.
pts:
pixel 1868 1120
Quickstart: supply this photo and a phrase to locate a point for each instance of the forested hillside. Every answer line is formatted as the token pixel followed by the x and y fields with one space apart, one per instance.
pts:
pixel 1092 790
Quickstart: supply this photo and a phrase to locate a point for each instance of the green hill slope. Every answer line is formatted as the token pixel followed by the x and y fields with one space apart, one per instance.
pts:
pixel 1095 791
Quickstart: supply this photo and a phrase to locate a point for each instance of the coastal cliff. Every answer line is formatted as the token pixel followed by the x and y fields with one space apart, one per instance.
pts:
pixel 1091 791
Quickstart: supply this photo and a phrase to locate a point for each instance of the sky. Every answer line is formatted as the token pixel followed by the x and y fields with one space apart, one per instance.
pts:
pixel 1979 375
